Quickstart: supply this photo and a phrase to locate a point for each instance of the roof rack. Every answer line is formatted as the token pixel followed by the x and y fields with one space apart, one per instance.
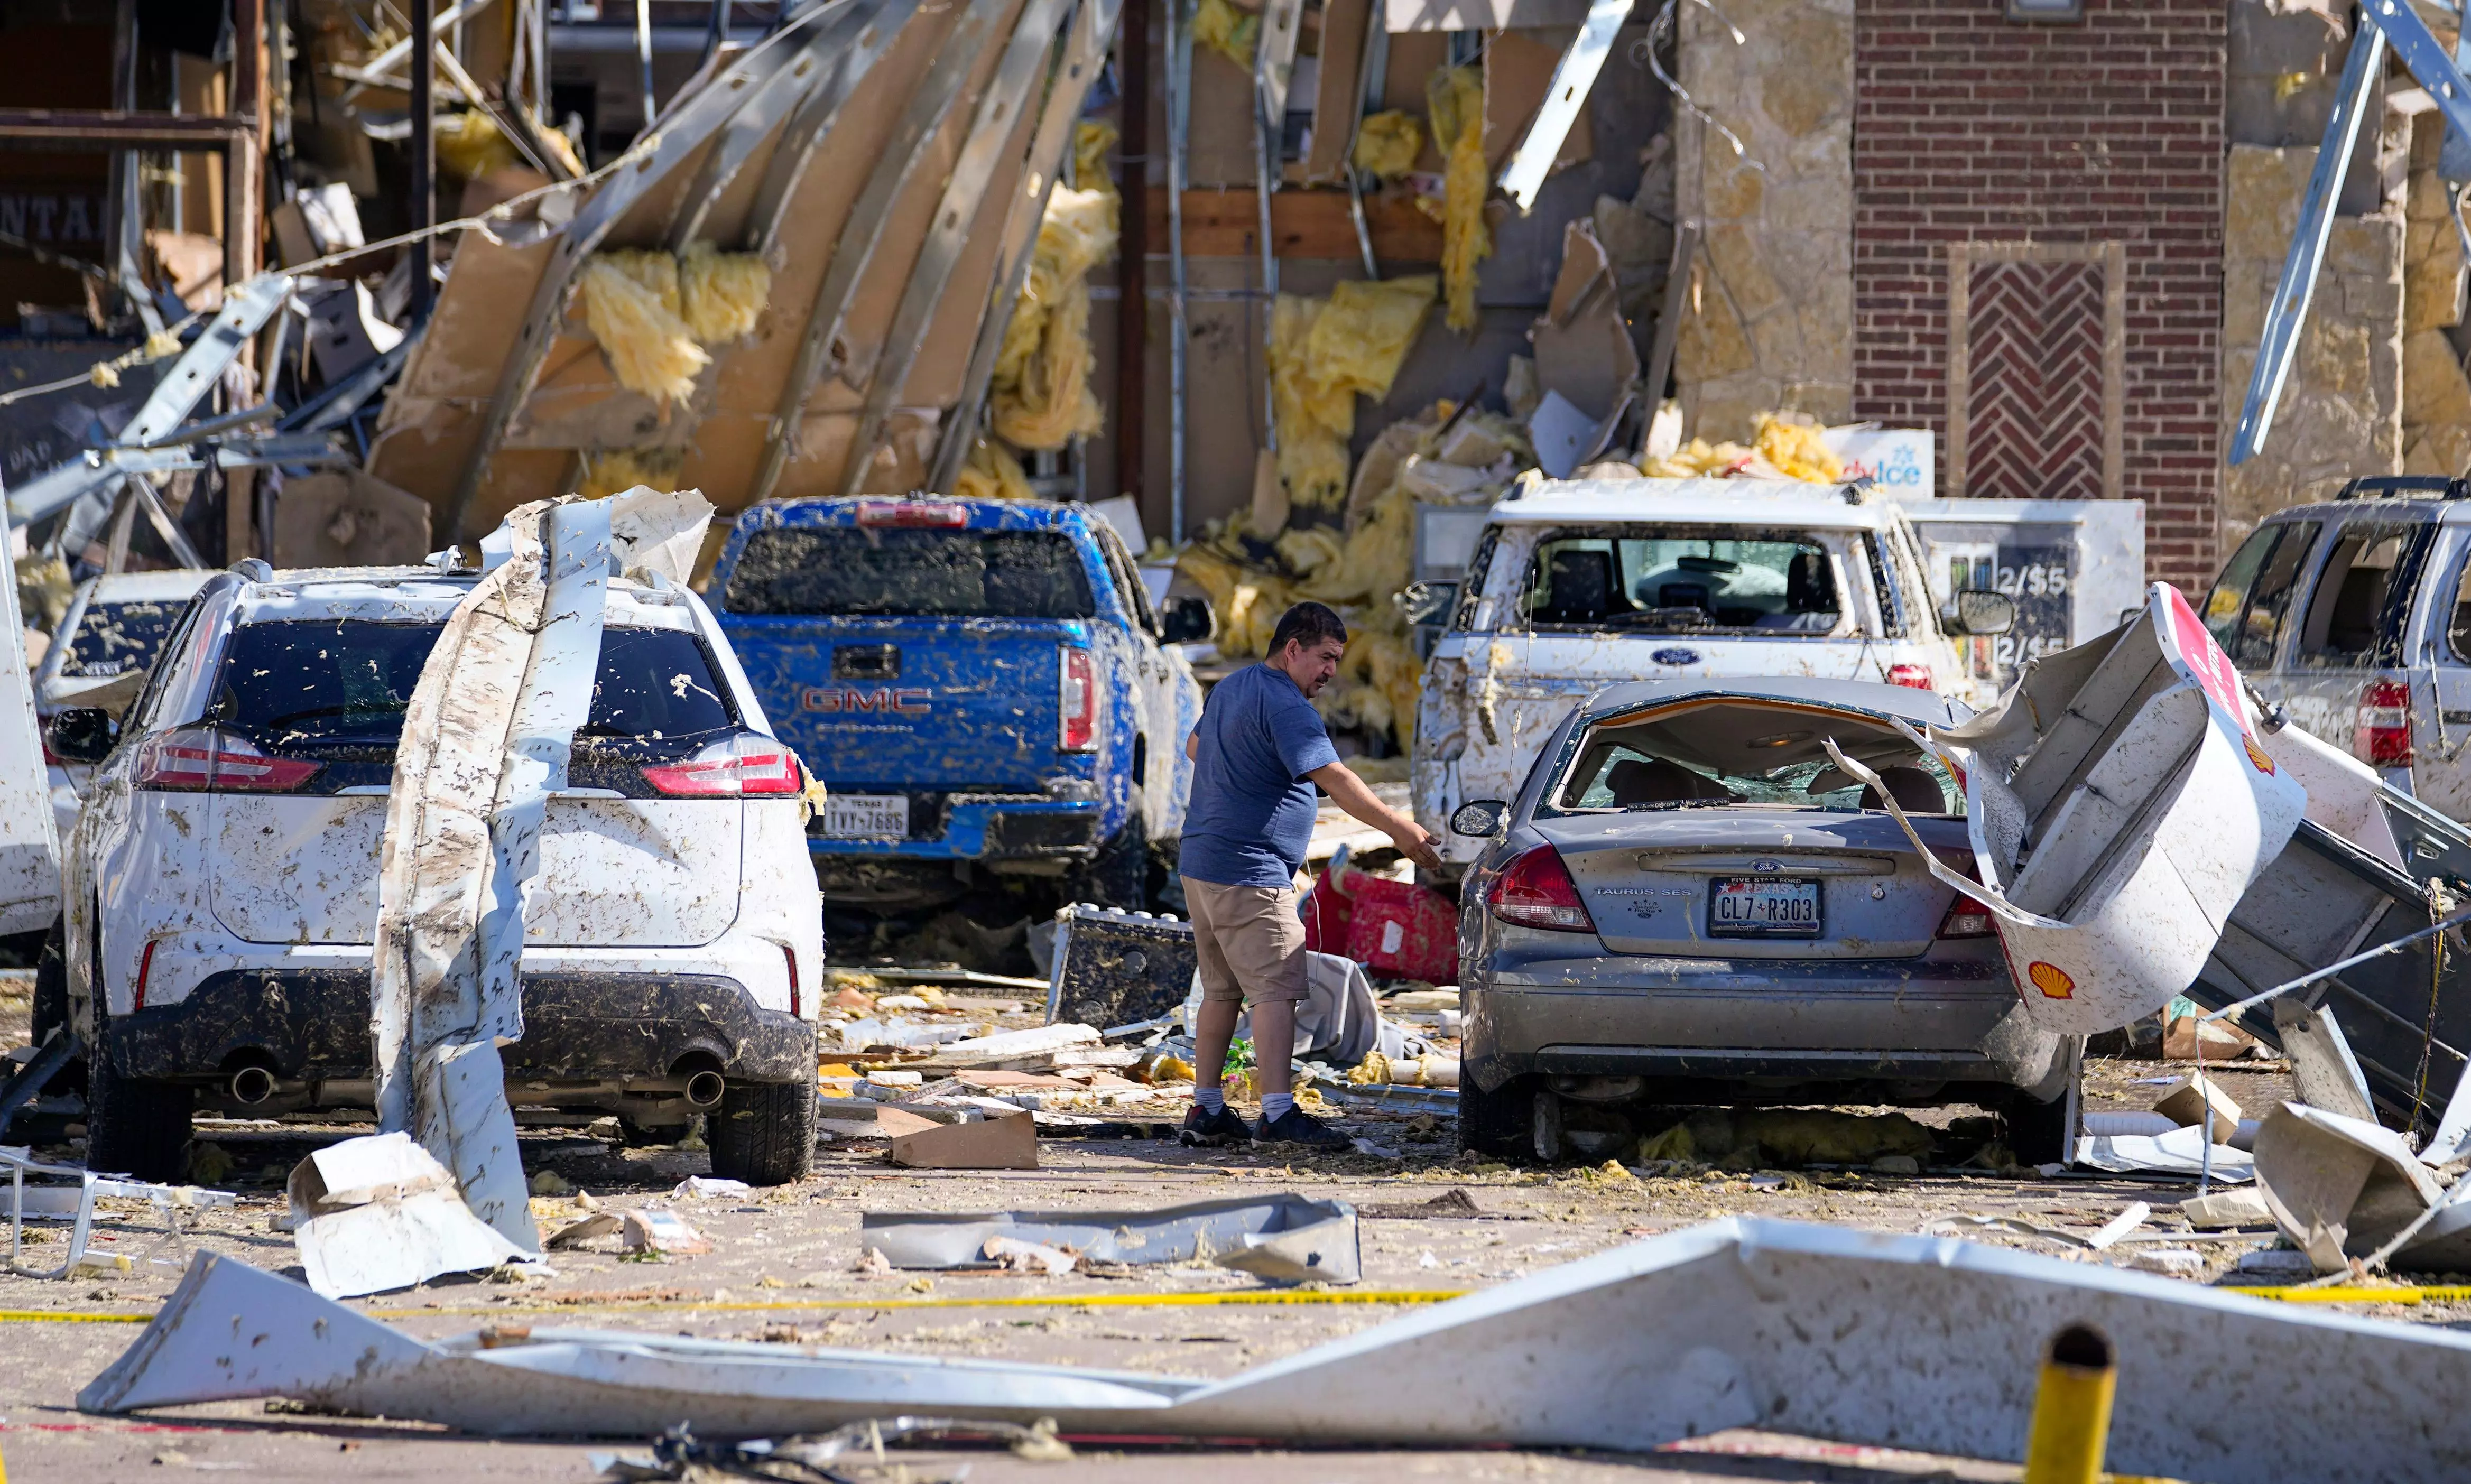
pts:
pixel 2404 486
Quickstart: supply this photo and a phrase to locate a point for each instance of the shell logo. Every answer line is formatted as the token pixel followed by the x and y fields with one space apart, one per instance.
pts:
pixel 2051 979
pixel 2256 755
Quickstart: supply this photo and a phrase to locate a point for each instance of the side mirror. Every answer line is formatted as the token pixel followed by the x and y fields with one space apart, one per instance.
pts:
pixel 1479 818
pixel 80 734
pixel 1982 611
pixel 1186 620
pixel 1427 602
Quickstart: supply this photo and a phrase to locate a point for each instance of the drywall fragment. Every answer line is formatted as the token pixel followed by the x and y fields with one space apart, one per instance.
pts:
pixel 345 518
pixel 2227 1208
pixel 1583 345
pixel 1323 1252
pixel 1915 1342
pixel 2343 1187
pixel 598 1224
pixel 1170 1233
pixel 1007 1142
pixel 653 1229
pixel 379 1213
pixel 2187 1099
pixel 2323 1072
pixel 2180 1152
pixel 1023 1257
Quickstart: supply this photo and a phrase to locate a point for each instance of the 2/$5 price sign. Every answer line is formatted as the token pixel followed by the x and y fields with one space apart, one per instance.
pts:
pixel 2038 580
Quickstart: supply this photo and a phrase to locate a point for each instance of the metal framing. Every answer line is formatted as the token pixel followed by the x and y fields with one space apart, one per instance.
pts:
pixel 2112 258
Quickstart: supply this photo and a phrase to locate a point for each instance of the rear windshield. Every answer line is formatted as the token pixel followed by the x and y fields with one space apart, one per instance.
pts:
pixel 1779 582
pixel 348 680
pixel 903 570
pixel 1703 755
pixel 119 638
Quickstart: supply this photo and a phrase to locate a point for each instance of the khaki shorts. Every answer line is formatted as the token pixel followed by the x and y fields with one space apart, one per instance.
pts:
pixel 1250 940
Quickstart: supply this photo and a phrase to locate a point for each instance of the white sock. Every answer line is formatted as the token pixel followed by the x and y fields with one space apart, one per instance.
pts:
pixel 1210 1100
pixel 1275 1106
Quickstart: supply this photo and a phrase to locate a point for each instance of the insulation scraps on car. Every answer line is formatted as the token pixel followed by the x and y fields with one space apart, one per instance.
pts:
pixel 1795 449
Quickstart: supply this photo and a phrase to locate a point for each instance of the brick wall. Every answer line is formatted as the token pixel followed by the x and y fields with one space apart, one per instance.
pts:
pixel 1969 126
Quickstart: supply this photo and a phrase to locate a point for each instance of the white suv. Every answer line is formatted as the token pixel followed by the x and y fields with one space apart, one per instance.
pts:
pixel 222 883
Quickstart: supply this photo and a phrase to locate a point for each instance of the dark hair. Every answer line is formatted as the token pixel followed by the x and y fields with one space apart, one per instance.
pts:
pixel 1307 624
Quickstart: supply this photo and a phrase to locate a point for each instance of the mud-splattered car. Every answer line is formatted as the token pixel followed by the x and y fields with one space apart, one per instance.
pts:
pixel 115 626
pixel 1585 584
pixel 222 883
pixel 1689 903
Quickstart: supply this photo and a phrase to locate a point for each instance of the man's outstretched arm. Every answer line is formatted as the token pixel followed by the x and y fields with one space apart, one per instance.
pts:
pixel 1351 793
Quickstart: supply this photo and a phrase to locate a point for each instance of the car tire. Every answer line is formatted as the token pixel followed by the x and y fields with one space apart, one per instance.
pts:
pixel 134 1126
pixel 2043 1133
pixel 763 1133
pixel 1498 1124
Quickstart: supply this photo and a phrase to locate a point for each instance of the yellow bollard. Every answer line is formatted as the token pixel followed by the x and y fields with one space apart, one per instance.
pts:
pixel 2072 1410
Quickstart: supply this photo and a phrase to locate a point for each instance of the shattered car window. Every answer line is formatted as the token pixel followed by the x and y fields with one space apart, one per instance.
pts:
pixel 118 638
pixel 318 680
pixel 1747 753
pixel 1772 582
pixel 831 570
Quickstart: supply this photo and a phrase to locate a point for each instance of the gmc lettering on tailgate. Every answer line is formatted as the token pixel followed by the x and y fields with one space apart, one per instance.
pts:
pixel 851 700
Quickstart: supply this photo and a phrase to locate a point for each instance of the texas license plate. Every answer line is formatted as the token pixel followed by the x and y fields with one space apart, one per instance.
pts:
pixel 867 816
pixel 1762 906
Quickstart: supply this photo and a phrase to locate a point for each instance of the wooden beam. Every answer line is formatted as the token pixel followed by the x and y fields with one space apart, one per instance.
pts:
pixel 1307 223
pixel 115 129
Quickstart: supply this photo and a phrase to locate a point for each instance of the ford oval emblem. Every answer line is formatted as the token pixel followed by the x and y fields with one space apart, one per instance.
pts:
pixel 1765 866
pixel 1675 656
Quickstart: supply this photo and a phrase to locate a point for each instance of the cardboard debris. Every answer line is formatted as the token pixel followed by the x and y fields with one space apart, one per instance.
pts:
pixel 598 1224
pixel 1009 1143
pixel 1584 349
pixel 2227 1208
pixel 653 1229
pixel 1858 1337
pixel 1203 1230
pixel 2187 1099
pixel 380 1213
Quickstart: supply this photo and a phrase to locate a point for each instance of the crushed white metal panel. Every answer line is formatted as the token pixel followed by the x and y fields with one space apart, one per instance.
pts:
pixel 1925 1343
pixel 2343 1187
pixel 379 1213
pixel 485 742
pixel 1522 175
pixel 1203 1230
pixel 2119 806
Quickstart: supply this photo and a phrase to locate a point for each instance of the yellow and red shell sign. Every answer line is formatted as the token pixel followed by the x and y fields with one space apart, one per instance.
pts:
pixel 2051 979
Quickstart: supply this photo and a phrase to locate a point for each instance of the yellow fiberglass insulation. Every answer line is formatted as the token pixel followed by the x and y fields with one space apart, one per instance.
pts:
pixel 992 472
pixel 1387 143
pixel 721 295
pixel 1314 420
pixel 649 348
pixel 1041 391
pixel 1797 450
pixel 470 145
pixel 618 470
pixel 1358 342
pixel 1696 457
pixel 1380 678
pixel 1230 33
pixel 1306 549
pixel 1247 603
pixel 1092 139
pixel 1455 95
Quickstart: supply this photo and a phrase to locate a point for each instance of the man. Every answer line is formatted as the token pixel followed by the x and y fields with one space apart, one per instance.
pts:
pixel 1257 752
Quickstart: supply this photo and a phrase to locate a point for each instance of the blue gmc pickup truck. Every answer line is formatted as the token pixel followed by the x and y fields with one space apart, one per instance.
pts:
pixel 984 686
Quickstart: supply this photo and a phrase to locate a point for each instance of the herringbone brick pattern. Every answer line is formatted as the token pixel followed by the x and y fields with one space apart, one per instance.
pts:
pixel 2033 413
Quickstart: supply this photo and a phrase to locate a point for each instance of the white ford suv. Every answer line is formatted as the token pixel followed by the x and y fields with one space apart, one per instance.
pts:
pixel 222 883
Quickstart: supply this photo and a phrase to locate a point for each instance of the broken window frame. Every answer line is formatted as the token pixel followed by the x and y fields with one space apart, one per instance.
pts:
pixel 2332 562
pixel 1838 544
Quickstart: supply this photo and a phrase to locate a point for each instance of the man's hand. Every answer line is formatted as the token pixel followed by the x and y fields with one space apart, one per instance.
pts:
pixel 1351 793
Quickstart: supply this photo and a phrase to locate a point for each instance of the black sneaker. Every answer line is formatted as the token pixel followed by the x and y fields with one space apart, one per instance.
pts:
pixel 1296 1126
pixel 1204 1129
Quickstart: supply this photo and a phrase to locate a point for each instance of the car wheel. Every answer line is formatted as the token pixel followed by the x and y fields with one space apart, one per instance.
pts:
pixel 1497 1124
pixel 134 1126
pixel 763 1133
pixel 2043 1133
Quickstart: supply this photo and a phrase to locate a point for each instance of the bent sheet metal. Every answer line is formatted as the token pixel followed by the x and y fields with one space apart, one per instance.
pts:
pixel 2119 806
pixel 1913 1342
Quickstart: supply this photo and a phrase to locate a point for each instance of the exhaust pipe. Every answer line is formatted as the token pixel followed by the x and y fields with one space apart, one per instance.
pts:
pixel 252 1084
pixel 704 1089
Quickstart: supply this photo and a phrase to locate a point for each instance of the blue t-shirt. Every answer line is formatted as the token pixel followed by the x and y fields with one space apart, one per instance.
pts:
pixel 1252 810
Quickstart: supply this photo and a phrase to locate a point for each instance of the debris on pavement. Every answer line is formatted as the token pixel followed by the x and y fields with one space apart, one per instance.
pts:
pixel 380 1213
pixel 2343 1189
pixel 1203 1231
pixel 2192 1099
pixel 1009 1142
pixel 652 1229
pixel 1111 967
pixel 74 1203
pixel 1854 1337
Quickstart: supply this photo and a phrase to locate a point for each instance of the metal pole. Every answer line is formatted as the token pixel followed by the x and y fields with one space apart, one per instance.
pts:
pixel 643 55
pixel 1133 305
pixel 423 62
pixel 1179 128
pixel 1264 142
pixel 244 167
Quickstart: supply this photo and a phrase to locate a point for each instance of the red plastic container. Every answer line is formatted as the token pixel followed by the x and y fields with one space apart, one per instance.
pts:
pixel 1395 929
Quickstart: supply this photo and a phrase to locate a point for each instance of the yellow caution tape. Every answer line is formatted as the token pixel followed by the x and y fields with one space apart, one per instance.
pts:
pixel 2434 1293
pixel 1249 1296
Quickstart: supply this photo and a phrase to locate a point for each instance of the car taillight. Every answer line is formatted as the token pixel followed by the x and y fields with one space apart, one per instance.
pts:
pixel 944 514
pixel 1076 700
pixel 2383 739
pixel 791 954
pixel 202 760
pixel 1535 891
pixel 144 968
pixel 747 766
pixel 1915 676
pixel 1966 918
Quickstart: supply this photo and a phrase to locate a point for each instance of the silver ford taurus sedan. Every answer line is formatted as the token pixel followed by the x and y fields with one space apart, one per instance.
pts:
pixel 1689 903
